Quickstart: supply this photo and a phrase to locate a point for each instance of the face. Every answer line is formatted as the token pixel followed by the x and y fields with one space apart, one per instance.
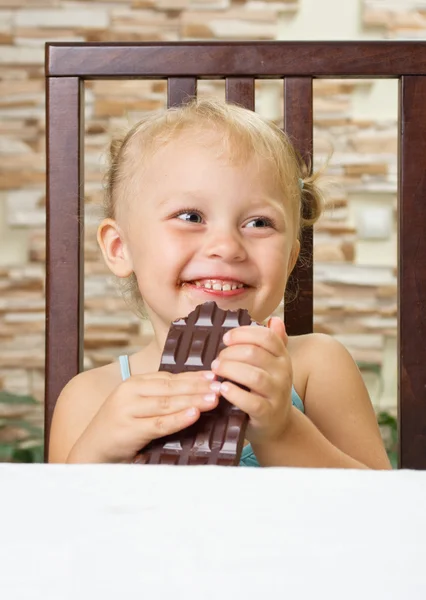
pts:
pixel 199 228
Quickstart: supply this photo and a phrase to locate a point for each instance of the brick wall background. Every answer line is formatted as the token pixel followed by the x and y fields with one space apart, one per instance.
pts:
pixel 355 277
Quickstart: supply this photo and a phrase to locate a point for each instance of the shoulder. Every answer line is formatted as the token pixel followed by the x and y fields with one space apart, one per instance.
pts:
pixel 336 399
pixel 320 360
pixel 310 353
pixel 77 404
pixel 313 342
pixel 96 382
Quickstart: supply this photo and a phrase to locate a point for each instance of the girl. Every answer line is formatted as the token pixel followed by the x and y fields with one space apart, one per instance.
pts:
pixel 204 202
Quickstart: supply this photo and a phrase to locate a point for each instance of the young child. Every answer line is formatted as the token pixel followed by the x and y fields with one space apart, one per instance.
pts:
pixel 203 203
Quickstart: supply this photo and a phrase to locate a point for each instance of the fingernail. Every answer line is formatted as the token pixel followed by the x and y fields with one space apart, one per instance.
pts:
pixel 209 375
pixel 224 387
pixel 191 412
pixel 215 386
pixel 215 364
pixel 210 398
pixel 227 337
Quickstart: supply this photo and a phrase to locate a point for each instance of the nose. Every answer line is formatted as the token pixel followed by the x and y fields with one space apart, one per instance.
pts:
pixel 225 245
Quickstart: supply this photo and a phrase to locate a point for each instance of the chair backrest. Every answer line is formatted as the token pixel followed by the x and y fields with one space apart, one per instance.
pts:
pixel 239 63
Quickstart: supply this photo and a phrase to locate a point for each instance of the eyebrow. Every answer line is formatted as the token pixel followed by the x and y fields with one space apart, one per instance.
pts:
pixel 198 196
pixel 268 200
pixel 179 198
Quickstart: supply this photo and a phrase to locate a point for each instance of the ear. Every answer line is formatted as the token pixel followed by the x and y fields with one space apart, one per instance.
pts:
pixel 114 249
pixel 294 255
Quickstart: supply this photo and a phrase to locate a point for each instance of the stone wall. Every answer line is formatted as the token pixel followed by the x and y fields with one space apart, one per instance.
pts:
pixel 353 301
pixel 396 19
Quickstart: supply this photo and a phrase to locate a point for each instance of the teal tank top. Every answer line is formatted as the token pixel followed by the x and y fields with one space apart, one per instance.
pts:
pixel 248 458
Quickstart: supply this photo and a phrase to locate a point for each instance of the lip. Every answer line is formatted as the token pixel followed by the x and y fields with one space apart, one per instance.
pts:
pixel 218 277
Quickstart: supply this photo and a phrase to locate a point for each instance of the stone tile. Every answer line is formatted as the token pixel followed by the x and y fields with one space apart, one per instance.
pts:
pixel 17 88
pixel 36 37
pixel 286 6
pixel 209 4
pixel 24 208
pixel 84 17
pixel 117 107
pixel 6 17
pixel 16 55
pixel 237 24
pixel 34 3
pixel 21 179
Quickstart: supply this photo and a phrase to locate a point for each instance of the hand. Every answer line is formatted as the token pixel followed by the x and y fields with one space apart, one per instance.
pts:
pixel 141 409
pixel 257 358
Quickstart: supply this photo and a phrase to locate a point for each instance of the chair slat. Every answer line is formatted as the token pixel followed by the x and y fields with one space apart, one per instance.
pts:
pixel 298 124
pixel 412 274
pixel 180 90
pixel 64 230
pixel 240 90
pixel 244 59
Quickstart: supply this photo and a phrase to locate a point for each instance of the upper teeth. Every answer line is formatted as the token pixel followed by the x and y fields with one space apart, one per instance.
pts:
pixel 216 284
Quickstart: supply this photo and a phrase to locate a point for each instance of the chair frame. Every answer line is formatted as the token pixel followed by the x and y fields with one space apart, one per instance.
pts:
pixel 68 65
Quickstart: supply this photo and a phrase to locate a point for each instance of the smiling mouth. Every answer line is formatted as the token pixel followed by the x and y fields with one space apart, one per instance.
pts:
pixel 216 285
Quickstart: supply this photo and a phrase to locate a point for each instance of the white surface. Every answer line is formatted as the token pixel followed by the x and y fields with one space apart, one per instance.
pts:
pixel 204 533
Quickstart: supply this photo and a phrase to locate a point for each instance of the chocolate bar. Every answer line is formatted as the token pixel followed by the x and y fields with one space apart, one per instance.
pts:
pixel 217 437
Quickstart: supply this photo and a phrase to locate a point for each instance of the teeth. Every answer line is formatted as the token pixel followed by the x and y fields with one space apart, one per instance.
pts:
pixel 218 286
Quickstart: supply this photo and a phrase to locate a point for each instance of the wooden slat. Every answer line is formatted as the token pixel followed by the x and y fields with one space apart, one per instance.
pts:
pixel 412 274
pixel 298 124
pixel 244 59
pixel 64 268
pixel 180 90
pixel 240 90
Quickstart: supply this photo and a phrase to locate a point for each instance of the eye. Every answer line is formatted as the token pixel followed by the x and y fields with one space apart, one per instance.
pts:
pixel 190 216
pixel 260 223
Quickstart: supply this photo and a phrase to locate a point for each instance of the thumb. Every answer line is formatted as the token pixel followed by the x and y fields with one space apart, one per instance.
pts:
pixel 277 325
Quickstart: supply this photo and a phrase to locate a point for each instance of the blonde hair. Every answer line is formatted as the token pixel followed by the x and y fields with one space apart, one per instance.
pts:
pixel 244 134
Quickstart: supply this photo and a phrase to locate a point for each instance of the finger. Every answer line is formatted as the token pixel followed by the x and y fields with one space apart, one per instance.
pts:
pixel 249 354
pixel 205 374
pixel 260 336
pixel 160 426
pixel 252 404
pixel 277 325
pixel 157 406
pixel 171 385
pixel 257 380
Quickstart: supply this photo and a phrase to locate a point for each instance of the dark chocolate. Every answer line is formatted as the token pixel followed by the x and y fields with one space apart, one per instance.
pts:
pixel 217 437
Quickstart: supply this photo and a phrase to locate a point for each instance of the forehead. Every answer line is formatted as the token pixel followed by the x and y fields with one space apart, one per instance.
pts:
pixel 192 154
pixel 199 159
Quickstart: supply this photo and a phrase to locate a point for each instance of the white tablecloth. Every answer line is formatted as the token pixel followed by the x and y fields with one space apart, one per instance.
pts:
pixel 183 533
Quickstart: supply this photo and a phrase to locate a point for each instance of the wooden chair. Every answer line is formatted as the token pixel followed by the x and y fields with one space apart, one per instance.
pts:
pixel 239 63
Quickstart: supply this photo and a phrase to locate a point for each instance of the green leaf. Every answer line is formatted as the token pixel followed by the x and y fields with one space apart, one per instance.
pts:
pixel 6 452
pixel 8 398
pixel 28 455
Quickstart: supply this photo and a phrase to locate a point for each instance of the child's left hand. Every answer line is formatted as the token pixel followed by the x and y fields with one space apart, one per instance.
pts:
pixel 257 358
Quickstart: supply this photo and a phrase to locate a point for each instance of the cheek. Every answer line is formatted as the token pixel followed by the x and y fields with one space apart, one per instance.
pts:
pixel 161 251
pixel 274 262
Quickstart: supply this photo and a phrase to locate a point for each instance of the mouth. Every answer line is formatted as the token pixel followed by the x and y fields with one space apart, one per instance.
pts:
pixel 216 287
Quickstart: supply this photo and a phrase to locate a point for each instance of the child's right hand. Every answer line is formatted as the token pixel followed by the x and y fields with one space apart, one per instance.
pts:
pixel 141 409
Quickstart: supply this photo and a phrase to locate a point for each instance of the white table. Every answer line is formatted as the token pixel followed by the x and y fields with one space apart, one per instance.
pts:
pixel 204 533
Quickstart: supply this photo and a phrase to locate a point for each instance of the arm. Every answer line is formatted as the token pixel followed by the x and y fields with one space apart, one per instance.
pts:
pixel 99 419
pixel 339 428
pixel 75 408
